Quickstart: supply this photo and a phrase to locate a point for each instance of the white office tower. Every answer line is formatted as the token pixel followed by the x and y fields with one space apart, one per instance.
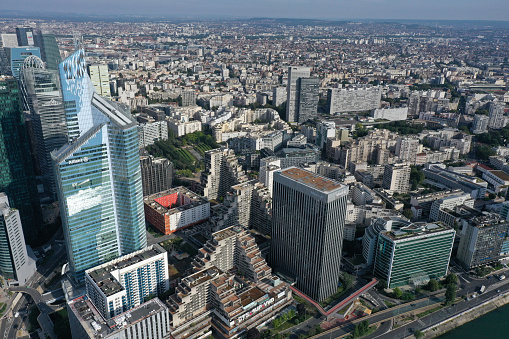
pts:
pixel 15 264
pixel 292 103
pixel 100 79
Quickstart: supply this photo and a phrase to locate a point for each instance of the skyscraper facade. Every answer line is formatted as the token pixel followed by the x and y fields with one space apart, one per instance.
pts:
pixel 50 53
pixel 17 178
pixel 307 93
pixel 43 99
pixel 307 230
pixel 292 101
pixel 98 174
pixel 15 264
pixel 25 36
pixel 17 56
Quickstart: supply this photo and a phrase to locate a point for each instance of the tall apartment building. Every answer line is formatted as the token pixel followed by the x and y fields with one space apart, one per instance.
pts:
pixel 98 174
pixel 100 79
pixel 278 96
pixel 156 174
pixel 124 283
pixel 316 232
pixel 17 178
pixel 249 205
pixel 324 130
pixel 414 254
pixel 368 148
pixel 302 95
pixel 16 266
pixel 407 149
pixel 188 98
pixel 427 101
pixel 480 124
pixel 151 132
pixel 43 99
pixel 481 241
pixel 353 99
pixel 497 119
pixel 232 289
pixel 397 178
pixel 150 320
pixel 222 171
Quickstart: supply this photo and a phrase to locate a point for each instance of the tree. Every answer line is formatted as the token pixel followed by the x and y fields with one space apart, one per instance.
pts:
pixel 301 309
pixel 253 333
pixel 397 293
pixel 418 334
pixel 484 152
pixel 347 280
pixel 433 285
pixel 451 278
pixel 407 212
pixel 450 293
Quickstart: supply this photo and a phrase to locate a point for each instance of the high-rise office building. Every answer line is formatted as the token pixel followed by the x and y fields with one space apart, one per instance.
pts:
pixel 307 230
pixel 25 36
pixel 100 79
pixel 481 241
pixel 43 99
pixel 50 53
pixel 15 264
pixel 292 92
pixel 17 56
pixel 413 254
pixel 307 93
pixel 156 174
pixel 98 174
pixel 17 178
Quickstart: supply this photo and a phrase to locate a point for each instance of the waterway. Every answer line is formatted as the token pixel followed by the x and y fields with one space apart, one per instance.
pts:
pixel 494 325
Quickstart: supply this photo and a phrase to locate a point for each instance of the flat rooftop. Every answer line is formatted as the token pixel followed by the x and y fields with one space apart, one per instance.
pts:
pixel 169 201
pixel 416 229
pixel 226 233
pixel 310 179
pixel 253 294
pixel 97 327
pixel 202 276
pixel 101 275
pixel 500 174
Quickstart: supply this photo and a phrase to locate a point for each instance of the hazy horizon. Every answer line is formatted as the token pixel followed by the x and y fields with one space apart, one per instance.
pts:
pixel 491 10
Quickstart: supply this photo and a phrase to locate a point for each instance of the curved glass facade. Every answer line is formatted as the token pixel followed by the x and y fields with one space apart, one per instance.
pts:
pixel 98 174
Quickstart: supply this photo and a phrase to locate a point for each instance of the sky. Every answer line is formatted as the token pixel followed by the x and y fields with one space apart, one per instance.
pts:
pixel 312 9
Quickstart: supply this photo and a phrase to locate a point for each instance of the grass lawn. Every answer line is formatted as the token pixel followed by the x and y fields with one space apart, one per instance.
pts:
pixel 309 307
pixel 425 313
pixel 155 233
pixel 388 304
pixel 2 308
pixel 291 323
pixel 339 292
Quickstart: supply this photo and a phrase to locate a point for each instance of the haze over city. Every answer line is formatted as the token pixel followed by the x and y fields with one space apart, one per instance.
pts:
pixel 319 9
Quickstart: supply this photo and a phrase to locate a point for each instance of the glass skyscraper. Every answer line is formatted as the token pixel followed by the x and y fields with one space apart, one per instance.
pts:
pixel 50 53
pixel 98 174
pixel 17 178
pixel 43 99
pixel 17 56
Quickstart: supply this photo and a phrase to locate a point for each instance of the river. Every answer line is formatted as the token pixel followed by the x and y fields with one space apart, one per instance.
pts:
pixel 494 324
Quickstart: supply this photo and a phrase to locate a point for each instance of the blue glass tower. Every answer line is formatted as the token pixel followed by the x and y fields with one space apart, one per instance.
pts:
pixel 98 174
pixel 17 56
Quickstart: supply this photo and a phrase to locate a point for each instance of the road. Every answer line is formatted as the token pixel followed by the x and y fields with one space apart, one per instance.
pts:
pixel 44 319
pixel 468 286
